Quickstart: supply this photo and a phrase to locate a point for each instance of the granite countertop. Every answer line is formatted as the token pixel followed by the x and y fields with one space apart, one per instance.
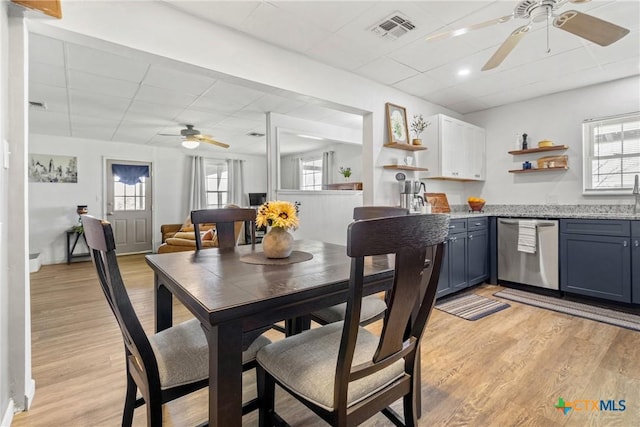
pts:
pixel 622 212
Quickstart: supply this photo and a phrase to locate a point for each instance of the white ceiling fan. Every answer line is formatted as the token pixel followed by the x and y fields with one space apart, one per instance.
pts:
pixel 193 138
pixel 581 24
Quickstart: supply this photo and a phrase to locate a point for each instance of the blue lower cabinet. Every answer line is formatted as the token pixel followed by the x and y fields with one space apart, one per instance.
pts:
pixel 477 256
pixel 465 261
pixel 596 266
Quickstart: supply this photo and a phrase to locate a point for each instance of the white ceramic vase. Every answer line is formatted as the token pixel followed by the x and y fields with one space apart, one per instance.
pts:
pixel 277 243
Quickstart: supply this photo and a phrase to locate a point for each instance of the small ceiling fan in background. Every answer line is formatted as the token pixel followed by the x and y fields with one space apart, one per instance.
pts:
pixel 193 138
pixel 581 24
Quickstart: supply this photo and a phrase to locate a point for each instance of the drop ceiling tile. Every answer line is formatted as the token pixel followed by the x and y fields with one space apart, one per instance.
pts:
pixel 469 105
pixel 137 132
pixel 423 55
pixel 46 50
pixel 235 98
pixel 623 49
pixel 54 97
pixel 97 105
pixel 625 13
pixel 272 25
pixel 458 12
pixel 51 75
pixel 387 71
pixel 419 85
pixel 49 123
pixel 447 97
pixel 92 127
pixel 329 16
pixel 336 51
pixel 146 112
pixel 229 13
pixel 94 83
pixel 236 124
pixel 106 64
pixel 177 81
pixel 161 96
pixel 199 118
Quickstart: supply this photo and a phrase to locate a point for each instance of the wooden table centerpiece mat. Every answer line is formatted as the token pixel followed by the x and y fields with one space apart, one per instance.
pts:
pixel 259 258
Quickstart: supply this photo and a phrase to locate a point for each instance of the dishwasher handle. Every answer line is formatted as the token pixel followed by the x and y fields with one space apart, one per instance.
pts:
pixel 538 223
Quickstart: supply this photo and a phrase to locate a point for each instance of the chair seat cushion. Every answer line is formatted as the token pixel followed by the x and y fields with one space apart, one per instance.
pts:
pixel 372 306
pixel 306 363
pixel 182 353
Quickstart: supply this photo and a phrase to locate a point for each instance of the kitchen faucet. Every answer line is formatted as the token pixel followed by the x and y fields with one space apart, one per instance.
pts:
pixel 636 192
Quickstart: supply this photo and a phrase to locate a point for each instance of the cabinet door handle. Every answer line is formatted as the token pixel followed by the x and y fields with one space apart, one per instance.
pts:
pixel 470 236
pixel 453 239
pixel 624 243
pixel 636 243
pixel 477 224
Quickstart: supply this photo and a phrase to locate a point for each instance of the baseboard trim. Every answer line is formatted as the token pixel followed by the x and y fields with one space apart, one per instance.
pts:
pixel 29 393
pixel 8 415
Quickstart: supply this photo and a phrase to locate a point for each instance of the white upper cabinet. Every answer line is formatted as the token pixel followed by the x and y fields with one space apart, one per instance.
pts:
pixel 456 150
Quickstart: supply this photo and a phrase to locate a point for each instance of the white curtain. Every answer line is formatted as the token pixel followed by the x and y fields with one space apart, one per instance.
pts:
pixel 198 184
pixel 236 182
pixel 296 181
pixel 327 167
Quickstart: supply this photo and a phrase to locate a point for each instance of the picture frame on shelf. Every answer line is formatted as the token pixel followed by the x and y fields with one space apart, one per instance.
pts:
pixel 397 127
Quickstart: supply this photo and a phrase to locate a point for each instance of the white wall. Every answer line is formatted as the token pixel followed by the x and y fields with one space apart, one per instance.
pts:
pixel 557 117
pixel 6 408
pixel 52 205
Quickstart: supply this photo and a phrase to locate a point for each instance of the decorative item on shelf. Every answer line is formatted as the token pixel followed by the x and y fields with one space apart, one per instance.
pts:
pixel 80 210
pixel 418 125
pixel 545 143
pixel 280 216
pixel 525 144
pixel 346 172
pixel 397 124
pixel 476 204
pixel 526 165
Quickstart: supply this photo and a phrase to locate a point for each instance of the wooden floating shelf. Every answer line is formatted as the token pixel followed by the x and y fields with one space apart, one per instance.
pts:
pixel 540 150
pixel 559 168
pixel 406 147
pixel 405 168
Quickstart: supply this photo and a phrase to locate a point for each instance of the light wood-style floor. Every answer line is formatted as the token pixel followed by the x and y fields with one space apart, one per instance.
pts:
pixel 507 369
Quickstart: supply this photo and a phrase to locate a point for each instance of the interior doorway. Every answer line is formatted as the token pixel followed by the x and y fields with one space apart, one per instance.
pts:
pixel 129 205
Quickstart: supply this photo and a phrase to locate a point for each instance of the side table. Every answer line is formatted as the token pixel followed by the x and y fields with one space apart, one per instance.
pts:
pixel 75 236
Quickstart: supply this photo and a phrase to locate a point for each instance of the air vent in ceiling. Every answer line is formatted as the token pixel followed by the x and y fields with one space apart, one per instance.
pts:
pixel 256 134
pixel 38 105
pixel 393 27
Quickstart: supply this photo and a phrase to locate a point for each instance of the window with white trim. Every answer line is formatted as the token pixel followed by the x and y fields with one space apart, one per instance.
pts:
pixel 312 174
pixel 611 152
pixel 217 184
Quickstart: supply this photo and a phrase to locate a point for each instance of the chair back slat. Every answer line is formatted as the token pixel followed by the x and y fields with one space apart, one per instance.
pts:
pixel 370 212
pixel 407 238
pixel 225 219
pixel 102 246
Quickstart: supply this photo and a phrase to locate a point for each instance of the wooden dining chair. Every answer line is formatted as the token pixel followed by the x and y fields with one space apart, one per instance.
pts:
pixel 373 307
pixel 163 366
pixel 343 372
pixel 228 223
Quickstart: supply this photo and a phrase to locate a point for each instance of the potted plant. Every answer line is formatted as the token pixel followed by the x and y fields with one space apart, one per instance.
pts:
pixel 418 125
pixel 346 172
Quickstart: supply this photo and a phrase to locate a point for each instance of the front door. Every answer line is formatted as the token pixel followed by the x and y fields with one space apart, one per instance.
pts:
pixel 129 205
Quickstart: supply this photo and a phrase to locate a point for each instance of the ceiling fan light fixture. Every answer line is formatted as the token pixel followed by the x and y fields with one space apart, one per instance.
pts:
pixel 190 143
pixel 464 72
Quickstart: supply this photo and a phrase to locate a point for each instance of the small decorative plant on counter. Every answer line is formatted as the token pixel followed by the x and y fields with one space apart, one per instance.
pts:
pixel 346 172
pixel 280 216
pixel 418 125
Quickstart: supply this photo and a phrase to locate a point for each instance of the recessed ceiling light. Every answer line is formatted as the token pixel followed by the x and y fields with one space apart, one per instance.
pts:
pixel 464 72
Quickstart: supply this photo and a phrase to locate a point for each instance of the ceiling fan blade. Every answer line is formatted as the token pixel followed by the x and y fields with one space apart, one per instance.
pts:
pixel 210 140
pixel 506 47
pixel 465 30
pixel 589 27
pixel 169 134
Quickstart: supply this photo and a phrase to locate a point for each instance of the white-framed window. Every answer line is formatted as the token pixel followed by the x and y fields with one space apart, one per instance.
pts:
pixel 312 174
pixel 217 183
pixel 611 153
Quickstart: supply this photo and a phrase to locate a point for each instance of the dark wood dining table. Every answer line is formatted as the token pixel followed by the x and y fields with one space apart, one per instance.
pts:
pixel 231 298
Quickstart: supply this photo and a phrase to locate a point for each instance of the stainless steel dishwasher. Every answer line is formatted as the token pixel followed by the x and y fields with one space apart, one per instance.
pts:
pixel 535 269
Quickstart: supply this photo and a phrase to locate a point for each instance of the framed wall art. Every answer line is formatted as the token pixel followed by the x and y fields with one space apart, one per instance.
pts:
pixel 53 168
pixel 397 124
